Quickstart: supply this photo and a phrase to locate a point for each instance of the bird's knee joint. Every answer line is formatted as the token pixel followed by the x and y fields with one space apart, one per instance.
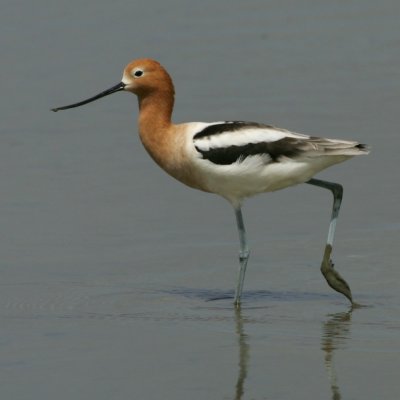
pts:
pixel 337 191
pixel 244 255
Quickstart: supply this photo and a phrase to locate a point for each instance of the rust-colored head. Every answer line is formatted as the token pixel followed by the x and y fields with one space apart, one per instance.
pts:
pixel 142 77
pixel 146 76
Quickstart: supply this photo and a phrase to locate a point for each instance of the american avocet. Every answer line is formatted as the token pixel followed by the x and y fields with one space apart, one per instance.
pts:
pixel 234 159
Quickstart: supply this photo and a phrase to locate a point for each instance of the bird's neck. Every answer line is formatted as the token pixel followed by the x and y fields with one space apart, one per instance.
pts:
pixel 155 111
pixel 155 124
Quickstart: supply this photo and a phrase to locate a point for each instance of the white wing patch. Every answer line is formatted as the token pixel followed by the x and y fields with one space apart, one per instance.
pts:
pixel 238 138
pixel 242 137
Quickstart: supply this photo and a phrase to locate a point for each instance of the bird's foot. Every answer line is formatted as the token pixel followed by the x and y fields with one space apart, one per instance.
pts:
pixel 335 281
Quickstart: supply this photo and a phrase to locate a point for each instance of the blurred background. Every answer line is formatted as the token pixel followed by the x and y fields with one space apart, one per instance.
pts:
pixel 105 258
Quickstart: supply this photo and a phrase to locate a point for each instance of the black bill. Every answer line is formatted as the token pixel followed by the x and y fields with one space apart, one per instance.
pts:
pixel 117 88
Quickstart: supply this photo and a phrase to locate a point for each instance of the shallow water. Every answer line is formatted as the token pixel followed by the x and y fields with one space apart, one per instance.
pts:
pixel 117 282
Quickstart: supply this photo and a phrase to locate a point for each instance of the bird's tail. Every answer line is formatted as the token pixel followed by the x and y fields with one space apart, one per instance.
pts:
pixel 340 147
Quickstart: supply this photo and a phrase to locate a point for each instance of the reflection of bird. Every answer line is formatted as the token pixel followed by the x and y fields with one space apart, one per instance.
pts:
pixel 234 159
pixel 243 354
pixel 336 331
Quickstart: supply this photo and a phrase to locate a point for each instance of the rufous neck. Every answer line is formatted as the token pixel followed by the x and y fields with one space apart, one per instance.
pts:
pixel 155 110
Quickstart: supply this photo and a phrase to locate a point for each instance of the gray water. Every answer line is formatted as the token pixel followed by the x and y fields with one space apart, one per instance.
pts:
pixel 110 268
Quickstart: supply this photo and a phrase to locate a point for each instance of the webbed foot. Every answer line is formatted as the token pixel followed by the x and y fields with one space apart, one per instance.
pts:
pixel 334 279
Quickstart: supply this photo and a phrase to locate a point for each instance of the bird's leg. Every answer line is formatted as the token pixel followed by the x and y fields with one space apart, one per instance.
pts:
pixel 243 255
pixel 335 281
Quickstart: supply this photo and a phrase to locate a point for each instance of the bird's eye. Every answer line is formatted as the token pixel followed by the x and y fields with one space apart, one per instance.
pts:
pixel 138 73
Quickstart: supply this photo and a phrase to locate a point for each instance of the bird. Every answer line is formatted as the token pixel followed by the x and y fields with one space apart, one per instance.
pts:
pixel 232 159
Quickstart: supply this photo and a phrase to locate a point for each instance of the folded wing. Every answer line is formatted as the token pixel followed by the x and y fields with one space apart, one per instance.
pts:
pixel 226 143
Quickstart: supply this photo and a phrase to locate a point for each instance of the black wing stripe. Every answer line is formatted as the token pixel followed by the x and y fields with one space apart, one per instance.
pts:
pixel 229 127
pixel 286 147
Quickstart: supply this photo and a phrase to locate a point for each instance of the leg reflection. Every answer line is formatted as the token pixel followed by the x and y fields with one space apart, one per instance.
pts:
pixel 336 332
pixel 243 354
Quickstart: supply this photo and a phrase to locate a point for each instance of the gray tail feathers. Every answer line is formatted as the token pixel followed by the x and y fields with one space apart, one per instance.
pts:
pixel 338 147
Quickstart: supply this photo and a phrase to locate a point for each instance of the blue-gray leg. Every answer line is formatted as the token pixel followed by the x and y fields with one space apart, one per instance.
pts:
pixel 243 255
pixel 335 281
